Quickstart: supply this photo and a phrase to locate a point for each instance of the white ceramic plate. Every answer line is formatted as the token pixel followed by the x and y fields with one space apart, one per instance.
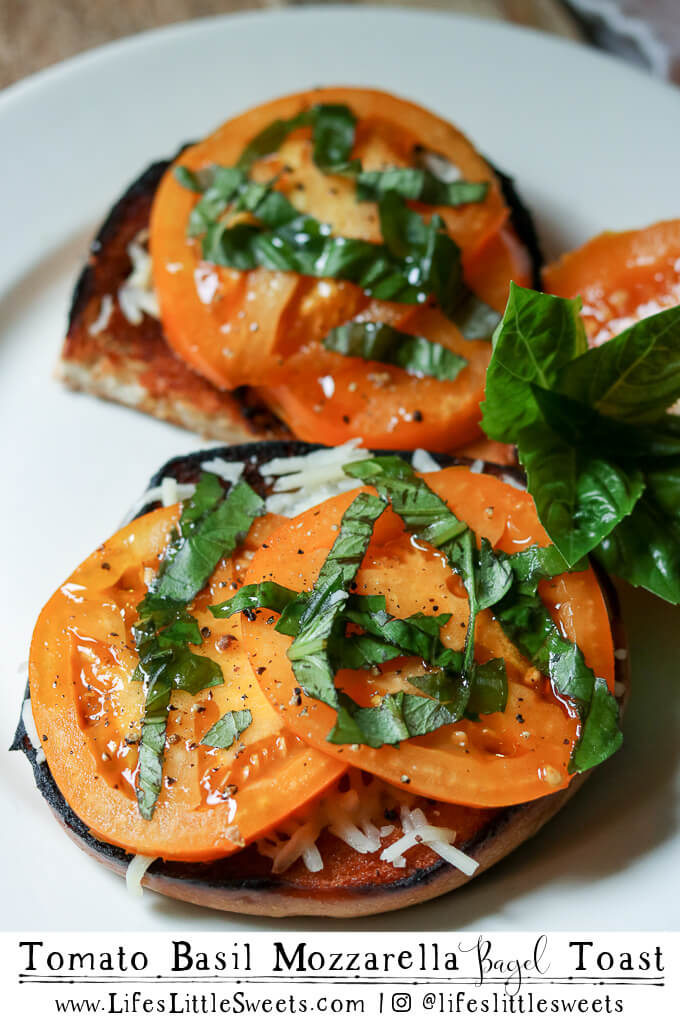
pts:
pixel 593 144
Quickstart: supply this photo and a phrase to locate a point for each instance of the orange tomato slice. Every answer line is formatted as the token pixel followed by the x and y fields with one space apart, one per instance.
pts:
pixel 89 710
pixel 622 277
pixel 325 397
pixel 235 327
pixel 504 758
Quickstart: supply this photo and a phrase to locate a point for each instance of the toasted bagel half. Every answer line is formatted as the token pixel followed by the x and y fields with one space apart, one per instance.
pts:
pixel 351 884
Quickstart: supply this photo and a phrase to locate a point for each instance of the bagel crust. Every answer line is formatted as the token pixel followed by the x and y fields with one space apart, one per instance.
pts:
pixel 244 882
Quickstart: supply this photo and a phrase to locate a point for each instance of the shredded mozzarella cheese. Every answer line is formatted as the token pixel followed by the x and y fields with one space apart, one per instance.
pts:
pixel 440 166
pixel 350 816
pixel 511 480
pixel 229 471
pixel 168 493
pixel 303 482
pixel 417 829
pixel 99 324
pixel 423 461
pixel 136 295
pixel 135 872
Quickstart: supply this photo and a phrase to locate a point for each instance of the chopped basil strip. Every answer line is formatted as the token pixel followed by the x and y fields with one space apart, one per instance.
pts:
pixel 377 341
pixel 489 691
pixel 592 427
pixel 210 526
pixel 415 635
pixel 419 185
pixel 332 137
pixel 271 138
pixel 509 585
pixel 165 665
pixel 397 717
pixel 308 653
pixel 209 529
pixel 265 595
pixel 526 621
pixel 227 729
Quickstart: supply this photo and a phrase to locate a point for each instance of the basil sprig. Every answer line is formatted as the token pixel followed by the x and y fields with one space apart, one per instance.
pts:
pixel 377 341
pixel 592 427
pixel 509 585
pixel 210 527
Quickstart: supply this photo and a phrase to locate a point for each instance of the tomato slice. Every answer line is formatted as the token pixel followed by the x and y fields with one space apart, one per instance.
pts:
pixel 325 397
pixel 622 277
pixel 233 327
pixel 505 758
pixel 212 801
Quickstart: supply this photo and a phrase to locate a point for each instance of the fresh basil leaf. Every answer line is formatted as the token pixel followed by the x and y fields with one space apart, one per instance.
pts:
pixel 359 651
pixel 488 689
pixel 397 717
pixel 600 733
pixel 474 318
pixel 579 497
pixel 188 179
pixel 377 341
pixel 152 745
pixel 493 576
pixel 460 552
pixel 415 635
pixel 265 595
pixel 526 621
pixel 645 547
pixel 163 670
pixel 227 729
pixel 333 138
pixel 421 509
pixel 204 540
pixel 539 334
pixel 344 559
pixel 449 690
pixel 220 186
pixel 210 525
pixel 325 602
pixel 537 563
pixel 306 246
pixel 157 613
pixel 633 377
pixel 271 138
pixel 418 185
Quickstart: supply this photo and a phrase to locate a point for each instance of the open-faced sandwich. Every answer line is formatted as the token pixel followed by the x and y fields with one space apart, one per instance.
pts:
pixel 321 681
pixel 327 266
